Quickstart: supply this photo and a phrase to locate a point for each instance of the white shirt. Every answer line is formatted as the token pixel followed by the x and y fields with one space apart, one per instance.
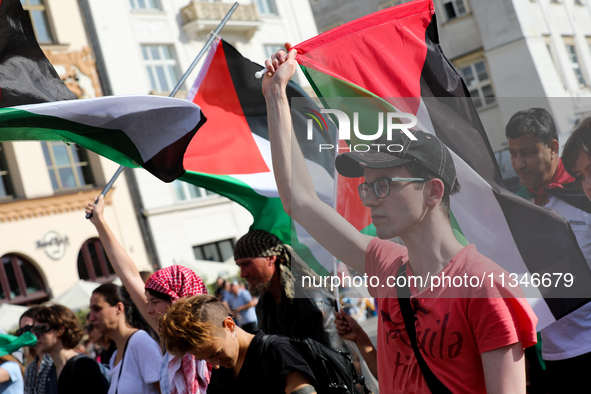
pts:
pixel 141 366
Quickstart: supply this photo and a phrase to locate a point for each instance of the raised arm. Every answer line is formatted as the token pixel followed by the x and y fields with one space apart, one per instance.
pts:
pixel 120 260
pixel 294 183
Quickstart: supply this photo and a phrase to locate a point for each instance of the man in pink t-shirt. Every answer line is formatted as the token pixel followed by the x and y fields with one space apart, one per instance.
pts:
pixel 472 339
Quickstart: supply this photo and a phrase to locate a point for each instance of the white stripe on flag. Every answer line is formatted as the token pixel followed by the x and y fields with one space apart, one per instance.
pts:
pixel 483 223
pixel 131 115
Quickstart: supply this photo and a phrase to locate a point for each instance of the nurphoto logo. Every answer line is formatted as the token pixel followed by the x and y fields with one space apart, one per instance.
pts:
pixel 394 121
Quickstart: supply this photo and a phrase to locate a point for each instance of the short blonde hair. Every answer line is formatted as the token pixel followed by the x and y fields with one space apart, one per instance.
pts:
pixel 192 324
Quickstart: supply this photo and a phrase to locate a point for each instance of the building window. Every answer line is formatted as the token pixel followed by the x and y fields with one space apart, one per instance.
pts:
pixel 216 251
pixel 20 282
pixel 67 165
pixel 38 14
pixel 6 190
pixel 454 8
pixel 576 66
pixel 184 191
pixel 267 7
pixel 93 263
pixel 162 67
pixel 146 5
pixel 476 77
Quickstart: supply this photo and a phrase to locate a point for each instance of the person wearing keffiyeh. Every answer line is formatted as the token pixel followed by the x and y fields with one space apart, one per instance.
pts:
pixel 185 373
pixel 565 344
pixel 271 269
pixel 179 375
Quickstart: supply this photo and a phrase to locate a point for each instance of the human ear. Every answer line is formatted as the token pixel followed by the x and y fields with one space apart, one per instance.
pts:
pixel 553 145
pixel 229 323
pixel 271 260
pixel 435 191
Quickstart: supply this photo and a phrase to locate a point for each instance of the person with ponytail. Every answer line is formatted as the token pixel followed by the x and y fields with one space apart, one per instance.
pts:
pixel 135 365
pixel 180 374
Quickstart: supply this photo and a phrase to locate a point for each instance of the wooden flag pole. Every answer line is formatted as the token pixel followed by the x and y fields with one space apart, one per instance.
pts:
pixel 205 48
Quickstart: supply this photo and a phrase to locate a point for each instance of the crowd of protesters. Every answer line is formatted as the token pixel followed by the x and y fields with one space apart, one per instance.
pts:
pixel 165 334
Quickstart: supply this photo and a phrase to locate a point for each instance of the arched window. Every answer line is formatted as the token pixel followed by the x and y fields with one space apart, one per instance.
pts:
pixel 20 282
pixel 93 263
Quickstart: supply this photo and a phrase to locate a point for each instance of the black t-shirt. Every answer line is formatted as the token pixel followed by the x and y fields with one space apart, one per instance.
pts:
pixel 295 318
pixel 280 359
pixel 82 374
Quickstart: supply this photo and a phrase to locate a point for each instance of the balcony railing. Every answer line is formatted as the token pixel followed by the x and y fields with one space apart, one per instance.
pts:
pixel 202 17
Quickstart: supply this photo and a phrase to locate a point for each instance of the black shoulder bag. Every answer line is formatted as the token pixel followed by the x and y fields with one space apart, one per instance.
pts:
pixel 408 315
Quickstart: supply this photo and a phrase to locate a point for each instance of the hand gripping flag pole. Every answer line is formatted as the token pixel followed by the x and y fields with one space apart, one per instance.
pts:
pixel 205 48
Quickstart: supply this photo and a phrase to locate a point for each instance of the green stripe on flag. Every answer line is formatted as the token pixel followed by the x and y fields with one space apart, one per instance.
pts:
pixel 268 212
pixel 20 125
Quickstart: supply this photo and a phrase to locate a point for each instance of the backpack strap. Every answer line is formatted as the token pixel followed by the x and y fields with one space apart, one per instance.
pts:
pixel 408 315
pixel 266 341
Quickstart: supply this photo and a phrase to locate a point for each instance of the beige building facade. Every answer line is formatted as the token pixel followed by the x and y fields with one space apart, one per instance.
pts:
pixel 47 244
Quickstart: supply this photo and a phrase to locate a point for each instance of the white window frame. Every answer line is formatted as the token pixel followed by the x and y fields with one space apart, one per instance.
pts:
pixel 457 6
pixel 480 89
pixel 53 167
pixel 186 192
pixel 162 67
pixel 217 245
pixel 40 10
pixel 146 5
pixel 5 179
pixel 267 7
pixel 575 63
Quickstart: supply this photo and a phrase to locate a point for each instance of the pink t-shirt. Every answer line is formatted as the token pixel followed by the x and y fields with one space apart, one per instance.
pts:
pixel 454 324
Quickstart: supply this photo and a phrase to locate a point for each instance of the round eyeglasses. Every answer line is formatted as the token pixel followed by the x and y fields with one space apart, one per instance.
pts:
pixel 381 186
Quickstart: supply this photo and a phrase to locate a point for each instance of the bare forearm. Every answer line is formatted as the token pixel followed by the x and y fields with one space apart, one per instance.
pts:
pixel 368 352
pixel 122 263
pixel 124 267
pixel 285 151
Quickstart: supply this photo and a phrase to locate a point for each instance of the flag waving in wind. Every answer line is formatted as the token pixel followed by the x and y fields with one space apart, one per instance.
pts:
pixel 231 154
pixel 395 54
pixel 148 131
pixel 26 76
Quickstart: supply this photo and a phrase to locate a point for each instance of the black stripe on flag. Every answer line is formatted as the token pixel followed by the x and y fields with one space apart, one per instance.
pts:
pixel 249 91
pixel 26 76
pixel 544 239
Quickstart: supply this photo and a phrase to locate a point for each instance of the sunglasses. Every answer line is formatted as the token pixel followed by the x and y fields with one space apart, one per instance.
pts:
pixel 24 329
pixel 41 329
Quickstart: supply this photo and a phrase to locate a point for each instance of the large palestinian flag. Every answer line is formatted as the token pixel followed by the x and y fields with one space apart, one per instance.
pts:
pixel 231 153
pixel 148 131
pixel 395 54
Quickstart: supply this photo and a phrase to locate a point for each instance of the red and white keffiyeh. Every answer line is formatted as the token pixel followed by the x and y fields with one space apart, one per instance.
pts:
pixel 186 374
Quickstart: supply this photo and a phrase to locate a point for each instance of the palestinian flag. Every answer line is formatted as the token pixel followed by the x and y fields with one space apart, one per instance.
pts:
pixel 26 76
pixel 148 131
pixel 395 54
pixel 231 154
